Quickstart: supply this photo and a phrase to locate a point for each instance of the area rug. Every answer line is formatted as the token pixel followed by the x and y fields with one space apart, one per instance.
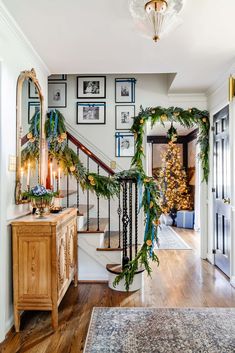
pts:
pixel 170 240
pixel 153 330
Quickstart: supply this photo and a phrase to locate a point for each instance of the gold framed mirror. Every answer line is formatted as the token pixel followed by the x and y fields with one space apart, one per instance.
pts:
pixel 30 134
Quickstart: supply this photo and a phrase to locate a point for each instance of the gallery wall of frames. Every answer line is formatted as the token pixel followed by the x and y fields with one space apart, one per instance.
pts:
pixel 101 107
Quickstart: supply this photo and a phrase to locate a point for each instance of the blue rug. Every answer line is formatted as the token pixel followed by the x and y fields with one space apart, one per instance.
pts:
pixel 170 240
pixel 152 330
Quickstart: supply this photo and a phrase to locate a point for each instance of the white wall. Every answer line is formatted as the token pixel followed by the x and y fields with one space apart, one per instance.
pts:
pixel 16 54
pixel 218 99
pixel 150 90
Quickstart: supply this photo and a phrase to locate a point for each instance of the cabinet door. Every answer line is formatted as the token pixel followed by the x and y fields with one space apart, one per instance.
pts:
pixel 62 259
pixel 34 257
pixel 71 244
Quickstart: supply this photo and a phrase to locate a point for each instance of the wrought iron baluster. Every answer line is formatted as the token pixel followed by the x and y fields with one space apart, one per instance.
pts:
pixel 98 203
pixel 88 197
pixel 130 219
pixel 78 189
pixel 119 212
pixel 125 221
pixel 136 217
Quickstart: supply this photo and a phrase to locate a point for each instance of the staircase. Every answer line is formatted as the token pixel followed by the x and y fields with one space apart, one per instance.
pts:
pixel 107 229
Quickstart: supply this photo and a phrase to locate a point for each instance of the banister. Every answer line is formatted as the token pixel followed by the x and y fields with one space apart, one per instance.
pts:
pixel 90 154
pixel 84 149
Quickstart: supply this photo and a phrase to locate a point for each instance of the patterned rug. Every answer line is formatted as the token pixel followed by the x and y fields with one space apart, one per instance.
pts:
pixel 170 240
pixel 152 330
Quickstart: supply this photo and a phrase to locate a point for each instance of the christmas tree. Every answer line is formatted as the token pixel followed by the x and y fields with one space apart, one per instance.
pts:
pixel 175 193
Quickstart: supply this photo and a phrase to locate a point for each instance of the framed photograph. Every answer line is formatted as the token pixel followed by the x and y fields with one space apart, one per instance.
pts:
pixel 32 89
pixel 57 95
pixel 91 113
pixel 125 90
pixel 91 87
pixel 33 107
pixel 57 78
pixel 124 116
pixel 125 144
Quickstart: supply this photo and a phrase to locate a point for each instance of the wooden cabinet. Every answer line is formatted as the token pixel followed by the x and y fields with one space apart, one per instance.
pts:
pixel 44 262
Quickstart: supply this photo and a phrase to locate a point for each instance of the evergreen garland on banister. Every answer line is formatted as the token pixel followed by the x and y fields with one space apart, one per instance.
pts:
pixel 109 186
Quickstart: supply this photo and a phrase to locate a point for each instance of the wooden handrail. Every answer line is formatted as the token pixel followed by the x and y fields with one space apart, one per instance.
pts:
pixel 90 154
pixel 84 149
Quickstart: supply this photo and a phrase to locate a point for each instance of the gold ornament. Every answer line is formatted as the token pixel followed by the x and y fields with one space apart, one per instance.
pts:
pixel 29 135
pixel 72 168
pixel 190 111
pixel 204 120
pixel 147 180
pixel 92 182
pixel 63 136
pixel 164 117
pixel 141 121
pixel 151 204
pixel 149 242
pixel 90 177
pixel 32 140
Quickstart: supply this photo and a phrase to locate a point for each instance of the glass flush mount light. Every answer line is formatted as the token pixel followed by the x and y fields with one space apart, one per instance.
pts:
pixel 155 10
pixel 156 17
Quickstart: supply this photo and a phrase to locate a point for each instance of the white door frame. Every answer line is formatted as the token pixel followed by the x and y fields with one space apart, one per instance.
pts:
pixel 203 192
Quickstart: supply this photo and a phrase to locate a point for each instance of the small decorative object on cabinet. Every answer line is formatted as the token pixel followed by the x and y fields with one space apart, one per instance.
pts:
pixel 44 262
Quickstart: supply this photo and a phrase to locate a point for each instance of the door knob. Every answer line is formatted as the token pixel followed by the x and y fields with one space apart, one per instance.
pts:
pixel 227 201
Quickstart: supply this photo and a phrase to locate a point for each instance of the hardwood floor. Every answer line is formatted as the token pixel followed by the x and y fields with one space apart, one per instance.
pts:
pixel 181 280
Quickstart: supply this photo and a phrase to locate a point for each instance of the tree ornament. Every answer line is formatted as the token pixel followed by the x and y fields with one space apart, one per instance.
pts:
pixel 164 117
pixel 149 242
pixel 72 168
pixel 29 135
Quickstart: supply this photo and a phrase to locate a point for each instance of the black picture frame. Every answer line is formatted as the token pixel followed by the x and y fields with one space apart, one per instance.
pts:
pixel 130 85
pixel 60 77
pixel 30 105
pixel 116 116
pixel 32 90
pixel 64 100
pixel 119 135
pixel 91 104
pixel 91 96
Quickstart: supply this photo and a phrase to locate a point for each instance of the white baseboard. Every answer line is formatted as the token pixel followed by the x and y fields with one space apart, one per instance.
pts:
pixel 232 281
pixel 210 258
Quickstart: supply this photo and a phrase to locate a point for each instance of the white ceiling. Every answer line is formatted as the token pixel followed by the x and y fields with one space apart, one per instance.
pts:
pixel 98 36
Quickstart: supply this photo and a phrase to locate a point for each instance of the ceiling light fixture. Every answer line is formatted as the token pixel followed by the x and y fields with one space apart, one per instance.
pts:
pixel 156 17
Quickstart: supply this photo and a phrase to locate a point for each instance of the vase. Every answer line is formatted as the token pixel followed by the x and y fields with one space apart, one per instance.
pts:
pixel 41 204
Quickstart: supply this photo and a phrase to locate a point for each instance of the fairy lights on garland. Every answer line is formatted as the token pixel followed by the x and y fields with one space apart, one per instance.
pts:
pixel 109 186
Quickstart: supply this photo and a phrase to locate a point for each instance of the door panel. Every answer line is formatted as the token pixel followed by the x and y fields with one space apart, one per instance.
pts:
pixel 222 221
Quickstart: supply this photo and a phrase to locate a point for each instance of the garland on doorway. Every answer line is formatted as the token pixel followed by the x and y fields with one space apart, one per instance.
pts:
pixel 187 118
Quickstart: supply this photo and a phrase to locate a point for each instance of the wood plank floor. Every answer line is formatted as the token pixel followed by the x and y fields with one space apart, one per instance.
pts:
pixel 181 280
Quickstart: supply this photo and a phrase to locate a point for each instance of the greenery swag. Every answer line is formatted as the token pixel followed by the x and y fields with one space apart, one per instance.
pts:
pixel 109 186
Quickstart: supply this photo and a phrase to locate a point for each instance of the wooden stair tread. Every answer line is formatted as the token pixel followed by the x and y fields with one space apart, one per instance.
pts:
pixel 93 226
pixel 117 269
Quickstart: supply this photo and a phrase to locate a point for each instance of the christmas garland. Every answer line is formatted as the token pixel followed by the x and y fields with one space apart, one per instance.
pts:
pixel 187 118
pixel 109 186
